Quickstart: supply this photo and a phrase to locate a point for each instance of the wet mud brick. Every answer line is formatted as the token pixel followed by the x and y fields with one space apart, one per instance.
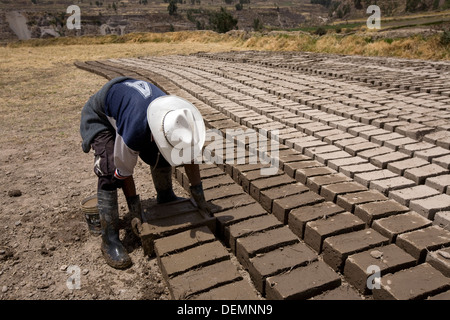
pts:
pixel 269 182
pixel 277 261
pixel 216 206
pixel 203 279
pixel 291 167
pixel 302 283
pixel 330 192
pixel 239 290
pixel 244 228
pixel 392 226
pixel 298 218
pixel 404 196
pixel 394 183
pixel 343 292
pixel 430 206
pixel 181 262
pixel 246 178
pixel 418 282
pixel 302 175
pixel 262 242
pixel 234 215
pixel 440 259
pixel 376 210
pixel 223 192
pixel 365 178
pixel 183 240
pixel 170 218
pixel 335 164
pixel 388 258
pixel 417 243
pixel 318 230
pixel 419 175
pixel 336 249
pixel 266 197
pixel 351 200
pixel 282 207
pixel 315 183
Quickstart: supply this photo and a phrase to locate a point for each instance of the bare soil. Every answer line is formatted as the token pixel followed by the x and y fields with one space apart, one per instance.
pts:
pixel 45 176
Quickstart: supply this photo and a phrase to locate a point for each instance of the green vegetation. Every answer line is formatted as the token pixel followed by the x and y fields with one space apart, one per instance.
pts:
pixel 222 21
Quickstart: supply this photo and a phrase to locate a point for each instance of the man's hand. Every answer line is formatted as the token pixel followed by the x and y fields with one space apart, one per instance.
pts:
pixel 199 197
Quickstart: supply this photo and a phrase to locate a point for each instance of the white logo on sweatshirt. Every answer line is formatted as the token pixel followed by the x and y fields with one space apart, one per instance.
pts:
pixel 142 87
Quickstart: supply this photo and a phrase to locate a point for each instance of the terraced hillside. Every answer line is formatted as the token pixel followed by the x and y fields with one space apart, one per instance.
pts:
pixel 361 150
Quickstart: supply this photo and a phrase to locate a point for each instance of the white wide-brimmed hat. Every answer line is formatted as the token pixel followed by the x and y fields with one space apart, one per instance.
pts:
pixel 177 127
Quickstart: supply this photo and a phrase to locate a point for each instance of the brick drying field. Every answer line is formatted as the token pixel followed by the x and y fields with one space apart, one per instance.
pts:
pixel 362 183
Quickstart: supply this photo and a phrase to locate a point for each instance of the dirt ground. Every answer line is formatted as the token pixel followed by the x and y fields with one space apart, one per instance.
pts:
pixel 44 235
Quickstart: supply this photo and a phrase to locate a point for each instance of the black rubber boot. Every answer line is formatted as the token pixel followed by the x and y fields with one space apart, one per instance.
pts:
pixel 162 179
pixel 113 250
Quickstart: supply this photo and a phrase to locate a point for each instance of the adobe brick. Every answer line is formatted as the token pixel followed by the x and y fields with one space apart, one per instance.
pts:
pixel 418 242
pixel 324 157
pixel 266 197
pixel 399 167
pixel 316 182
pixel 419 175
pixel 314 151
pixel 298 218
pixel 351 200
pixel 369 154
pixel 338 137
pixel 354 149
pixel 417 282
pixel 394 225
pixel 215 182
pixel 261 242
pixel 365 178
pixel 239 290
pixel 440 183
pixel 277 261
pixel 291 167
pixel 343 292
pixel 382 139
pixel 302 283
pixel 441 296
pixel 388 258
pixel 442 161
pixel 371 134
pixel 202 279
pixel 440 259
pixel 383 160
pixel 318 230
pixel 442 219
pixel 351 170
pixel 222 192
pixel 398 143
pixel 244 228
pixel 270 182
pixel 219 205
pixel 430 206
pixel 411 149
pixel 204 254
pixel 282 207
pixel 246 178
pixel 395 183
pixel 337 248
pixel 330 192
pixel 404 196
pixel 183 240
pixel 368 212
pixel 350 141
pixel 335 164
pixel 233 215
pixel 432 153
pixel 302 175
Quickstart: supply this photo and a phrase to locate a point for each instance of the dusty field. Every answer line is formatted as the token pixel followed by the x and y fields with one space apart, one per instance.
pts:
pixel 43 229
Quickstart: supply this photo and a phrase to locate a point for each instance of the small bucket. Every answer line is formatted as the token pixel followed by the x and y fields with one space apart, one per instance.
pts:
pixel 90 210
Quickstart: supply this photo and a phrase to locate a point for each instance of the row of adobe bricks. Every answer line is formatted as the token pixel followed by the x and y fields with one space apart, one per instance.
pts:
pixel 427 200
pixel 250 231
pixel 323 225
